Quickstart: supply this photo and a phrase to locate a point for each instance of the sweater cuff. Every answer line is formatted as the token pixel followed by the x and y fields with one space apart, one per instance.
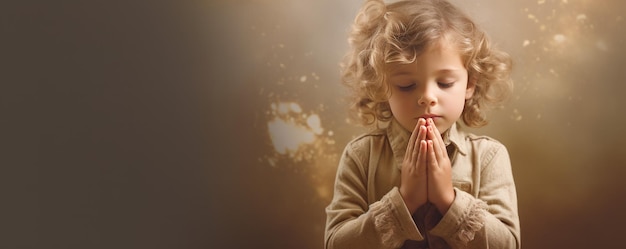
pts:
pixel 465 217
pixel 393 220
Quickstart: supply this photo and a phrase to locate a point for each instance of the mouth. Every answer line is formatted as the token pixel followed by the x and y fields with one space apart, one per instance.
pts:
pixel 427 116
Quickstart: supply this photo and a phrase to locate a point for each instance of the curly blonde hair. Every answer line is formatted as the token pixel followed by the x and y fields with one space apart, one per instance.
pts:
pixel 399 32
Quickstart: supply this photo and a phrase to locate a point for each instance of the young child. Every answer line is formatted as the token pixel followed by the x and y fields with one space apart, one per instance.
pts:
pixel 417 181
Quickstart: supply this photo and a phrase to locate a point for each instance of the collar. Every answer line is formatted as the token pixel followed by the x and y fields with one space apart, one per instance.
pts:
pixel 399 138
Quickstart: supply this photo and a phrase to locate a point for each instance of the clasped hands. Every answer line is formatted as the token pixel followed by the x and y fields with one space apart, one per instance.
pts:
pixel 426 169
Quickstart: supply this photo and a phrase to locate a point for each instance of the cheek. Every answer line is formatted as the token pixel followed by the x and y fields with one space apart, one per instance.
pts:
pixel 460 105
pixel 459 99
pixel 455 103
pixel 399 104
pixel 393 104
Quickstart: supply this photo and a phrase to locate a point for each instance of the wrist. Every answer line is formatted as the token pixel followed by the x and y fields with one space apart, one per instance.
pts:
pixel 445 204
pixel 410 204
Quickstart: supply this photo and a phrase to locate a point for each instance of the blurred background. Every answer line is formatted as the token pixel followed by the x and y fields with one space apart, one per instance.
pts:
pixel 219 124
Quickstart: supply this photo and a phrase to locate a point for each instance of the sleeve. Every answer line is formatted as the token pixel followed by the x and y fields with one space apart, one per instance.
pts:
pixel 491 220
pixel 351 223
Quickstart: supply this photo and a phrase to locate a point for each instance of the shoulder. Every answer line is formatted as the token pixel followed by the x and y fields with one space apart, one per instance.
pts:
pixel 367 141
pixel 483 141
pixel 485 146
pixel 490 157
pixel 356 155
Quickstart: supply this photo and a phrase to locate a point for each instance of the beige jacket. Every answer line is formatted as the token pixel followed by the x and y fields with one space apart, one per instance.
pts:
pixel 367 210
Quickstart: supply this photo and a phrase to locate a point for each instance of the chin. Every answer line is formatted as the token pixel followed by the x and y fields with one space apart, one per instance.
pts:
pixel 443 129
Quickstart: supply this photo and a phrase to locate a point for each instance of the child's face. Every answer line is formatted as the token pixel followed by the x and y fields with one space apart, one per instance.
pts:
pixel 435 85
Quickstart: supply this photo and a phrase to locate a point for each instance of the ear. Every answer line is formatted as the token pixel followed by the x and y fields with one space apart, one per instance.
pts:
pixel 471 86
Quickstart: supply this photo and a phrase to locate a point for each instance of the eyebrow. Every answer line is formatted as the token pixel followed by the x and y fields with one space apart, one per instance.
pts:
pixel 449 70
pixel 441 71
pixel 400 73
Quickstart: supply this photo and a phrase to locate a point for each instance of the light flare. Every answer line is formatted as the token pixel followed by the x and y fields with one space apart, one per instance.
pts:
pixel 299 140
pixel 287 136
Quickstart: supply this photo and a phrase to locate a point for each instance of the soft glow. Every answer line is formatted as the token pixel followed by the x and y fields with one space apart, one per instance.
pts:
pixel 559 38
pixel 315 124
pixel 287 137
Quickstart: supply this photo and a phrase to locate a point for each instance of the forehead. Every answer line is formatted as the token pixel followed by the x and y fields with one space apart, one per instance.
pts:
pixel 442 56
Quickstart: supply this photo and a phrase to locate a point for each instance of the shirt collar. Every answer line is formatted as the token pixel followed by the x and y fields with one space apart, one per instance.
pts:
pixel 399 137
pixel 456 138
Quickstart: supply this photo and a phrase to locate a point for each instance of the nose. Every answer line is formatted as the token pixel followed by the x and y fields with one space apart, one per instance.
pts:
pixel 428 97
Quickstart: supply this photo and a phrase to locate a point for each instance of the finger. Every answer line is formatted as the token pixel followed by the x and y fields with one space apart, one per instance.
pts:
pixel 415 153
pixel 436 132
pixel 438 143
pixel 421 158
pixel 421 134
pixel 420 122
pixel 434 141
pixel 432 158
pixel 411 144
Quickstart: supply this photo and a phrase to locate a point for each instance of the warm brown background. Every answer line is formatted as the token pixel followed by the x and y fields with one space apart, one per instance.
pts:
pixel 145 124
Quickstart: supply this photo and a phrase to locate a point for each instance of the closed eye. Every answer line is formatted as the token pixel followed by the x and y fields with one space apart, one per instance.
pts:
pixel 406 88
pixel 445 85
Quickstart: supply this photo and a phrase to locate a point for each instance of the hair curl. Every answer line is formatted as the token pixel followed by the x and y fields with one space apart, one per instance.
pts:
pixel 399 32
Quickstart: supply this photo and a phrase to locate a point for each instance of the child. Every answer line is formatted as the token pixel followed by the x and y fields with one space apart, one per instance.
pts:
pixel 417 180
